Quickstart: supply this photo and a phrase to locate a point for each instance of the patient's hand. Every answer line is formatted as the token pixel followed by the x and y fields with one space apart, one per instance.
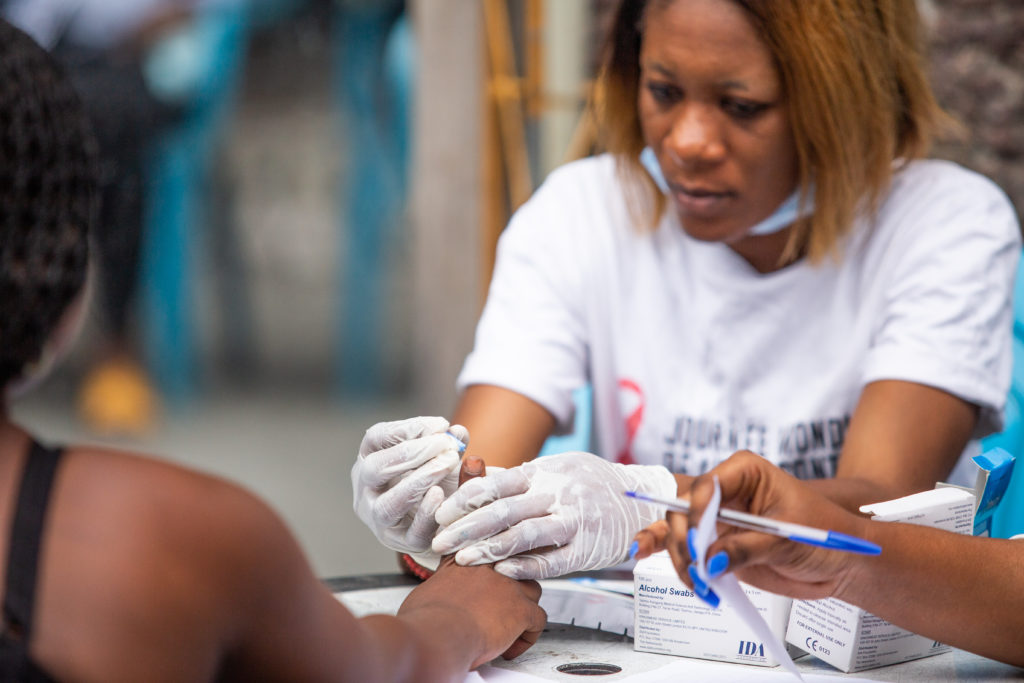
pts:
pixel 503 609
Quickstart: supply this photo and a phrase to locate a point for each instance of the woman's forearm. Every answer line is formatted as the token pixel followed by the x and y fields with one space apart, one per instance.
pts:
pixel 505 428
pixel 852 492
pixel 961 590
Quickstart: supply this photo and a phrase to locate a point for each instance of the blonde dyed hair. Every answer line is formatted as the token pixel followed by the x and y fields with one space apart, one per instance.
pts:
pixel 853 74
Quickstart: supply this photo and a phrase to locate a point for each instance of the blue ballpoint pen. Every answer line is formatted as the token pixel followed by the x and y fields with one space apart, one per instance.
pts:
pixel 794 532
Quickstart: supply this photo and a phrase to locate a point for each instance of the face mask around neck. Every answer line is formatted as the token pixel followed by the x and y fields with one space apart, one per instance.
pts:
pixel 785 214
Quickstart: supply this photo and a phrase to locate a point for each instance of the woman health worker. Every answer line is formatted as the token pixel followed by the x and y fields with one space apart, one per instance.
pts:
pixel 762 260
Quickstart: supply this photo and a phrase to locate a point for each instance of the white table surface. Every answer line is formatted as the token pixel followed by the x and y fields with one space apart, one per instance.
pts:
pixel 563 644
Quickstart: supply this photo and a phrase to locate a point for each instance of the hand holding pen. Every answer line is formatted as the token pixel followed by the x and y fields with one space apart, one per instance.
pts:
pixel 824 538
pixel 780 565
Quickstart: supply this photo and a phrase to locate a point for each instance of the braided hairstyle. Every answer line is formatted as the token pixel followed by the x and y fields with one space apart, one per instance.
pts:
pixel 48 193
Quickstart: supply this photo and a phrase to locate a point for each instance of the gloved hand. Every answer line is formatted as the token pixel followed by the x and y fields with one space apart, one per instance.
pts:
pixel 551 516
pixel 403 472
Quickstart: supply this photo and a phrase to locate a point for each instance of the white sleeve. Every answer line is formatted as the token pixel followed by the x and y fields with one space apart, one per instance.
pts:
pixel 947 319
pixel 531 336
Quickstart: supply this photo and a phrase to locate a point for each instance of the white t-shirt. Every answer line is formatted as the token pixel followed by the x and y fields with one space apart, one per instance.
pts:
pixel 692 354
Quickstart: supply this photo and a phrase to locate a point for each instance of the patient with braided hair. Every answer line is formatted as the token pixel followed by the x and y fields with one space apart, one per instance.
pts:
pixel 116 567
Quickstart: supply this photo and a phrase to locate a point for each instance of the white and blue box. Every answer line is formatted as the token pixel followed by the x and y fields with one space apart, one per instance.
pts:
pixel 852 639
pixel 670 619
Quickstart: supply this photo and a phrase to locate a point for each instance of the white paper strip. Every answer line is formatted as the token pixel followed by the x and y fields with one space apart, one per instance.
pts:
pixel 728 587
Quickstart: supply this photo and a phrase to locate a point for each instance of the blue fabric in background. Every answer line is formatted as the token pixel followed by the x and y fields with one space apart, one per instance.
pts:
pixel 1008 518
pixel 373 75
pixel 180 165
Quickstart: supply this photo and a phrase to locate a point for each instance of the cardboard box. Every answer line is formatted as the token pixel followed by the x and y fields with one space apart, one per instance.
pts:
pixel 670 619
pixel 851 639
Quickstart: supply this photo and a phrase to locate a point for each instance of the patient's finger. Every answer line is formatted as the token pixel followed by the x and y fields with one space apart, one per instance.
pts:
pixel 538 620
pixel 473 466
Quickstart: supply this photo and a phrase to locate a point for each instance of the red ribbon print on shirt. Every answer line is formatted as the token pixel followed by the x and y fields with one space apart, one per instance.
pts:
pixel 633 421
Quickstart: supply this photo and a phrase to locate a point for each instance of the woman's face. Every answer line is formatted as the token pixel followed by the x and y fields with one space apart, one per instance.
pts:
pixel 711 106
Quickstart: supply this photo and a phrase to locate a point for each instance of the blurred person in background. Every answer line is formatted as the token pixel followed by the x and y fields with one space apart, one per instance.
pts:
pixel 115 52
pixel 118 567
pixel 764 259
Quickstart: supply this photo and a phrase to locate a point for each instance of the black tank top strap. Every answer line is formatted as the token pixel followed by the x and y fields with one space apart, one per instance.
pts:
pixel 26 539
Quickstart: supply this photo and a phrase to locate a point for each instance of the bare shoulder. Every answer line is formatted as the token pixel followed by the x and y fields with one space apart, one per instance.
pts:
pixel 153 508
pixel 175 501
pixel 138 548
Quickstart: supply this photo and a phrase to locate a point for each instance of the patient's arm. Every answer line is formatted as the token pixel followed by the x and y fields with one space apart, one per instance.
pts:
pixel 154 568
pixel 455 621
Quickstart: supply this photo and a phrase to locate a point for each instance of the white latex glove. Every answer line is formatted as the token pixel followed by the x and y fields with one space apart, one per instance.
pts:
pixel 403 472
pixel 551 516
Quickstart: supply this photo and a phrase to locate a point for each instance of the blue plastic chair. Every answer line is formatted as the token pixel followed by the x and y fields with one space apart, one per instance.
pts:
pixel 179 173
pixel 1009 516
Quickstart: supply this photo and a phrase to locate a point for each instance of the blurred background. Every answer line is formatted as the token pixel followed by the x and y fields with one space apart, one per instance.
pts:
pixel 301 203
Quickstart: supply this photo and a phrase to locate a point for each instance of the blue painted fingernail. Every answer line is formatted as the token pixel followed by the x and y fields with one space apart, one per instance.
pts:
pixel 718 564
pixel 634 548
pixel 690 536
pixel 699 586
pixel 711 598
